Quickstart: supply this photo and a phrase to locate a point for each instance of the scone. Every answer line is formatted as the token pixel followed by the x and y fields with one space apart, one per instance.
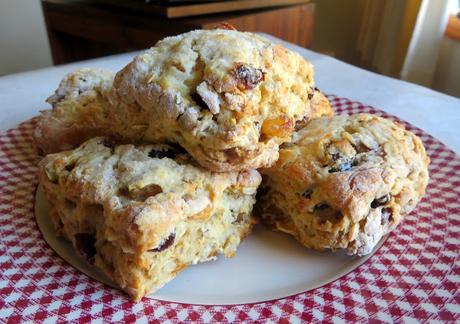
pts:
pixel 229 98
pixel 144 213
pixel 79 111
pixel 344 182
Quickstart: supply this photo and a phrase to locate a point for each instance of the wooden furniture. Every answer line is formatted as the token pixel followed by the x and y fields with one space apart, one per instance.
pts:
pixel 453 27
pixel 80 30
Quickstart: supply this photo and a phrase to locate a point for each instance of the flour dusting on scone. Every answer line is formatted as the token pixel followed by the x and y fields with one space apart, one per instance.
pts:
pixel 344 182
pixel 79 111
pixel 144 213
pixel 229 98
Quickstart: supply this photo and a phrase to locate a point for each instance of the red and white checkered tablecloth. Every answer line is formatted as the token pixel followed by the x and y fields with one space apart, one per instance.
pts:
pixel 414 276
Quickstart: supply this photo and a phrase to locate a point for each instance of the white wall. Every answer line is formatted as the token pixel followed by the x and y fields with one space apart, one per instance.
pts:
pixel 23 40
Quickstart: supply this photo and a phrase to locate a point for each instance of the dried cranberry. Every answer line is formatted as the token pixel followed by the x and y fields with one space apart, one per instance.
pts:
pixel 166 243
pixel 85 243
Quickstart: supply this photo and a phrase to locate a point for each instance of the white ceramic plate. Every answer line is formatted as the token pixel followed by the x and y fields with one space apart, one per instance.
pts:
pixel 269 265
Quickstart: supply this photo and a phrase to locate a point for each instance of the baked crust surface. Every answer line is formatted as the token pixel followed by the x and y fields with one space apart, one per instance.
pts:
pixel 344 182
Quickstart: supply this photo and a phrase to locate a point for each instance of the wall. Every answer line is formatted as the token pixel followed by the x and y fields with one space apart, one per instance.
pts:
pixel 447 76
pixel 23 40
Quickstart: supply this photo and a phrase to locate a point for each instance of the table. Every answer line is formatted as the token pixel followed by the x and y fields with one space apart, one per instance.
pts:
pixel 22 95
pixel 414 276
pixel 83 29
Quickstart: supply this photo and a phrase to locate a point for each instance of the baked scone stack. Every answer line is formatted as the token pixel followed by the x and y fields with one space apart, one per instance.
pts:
pixel 163 168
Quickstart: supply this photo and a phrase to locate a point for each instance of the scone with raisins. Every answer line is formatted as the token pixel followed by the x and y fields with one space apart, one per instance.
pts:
pixel 144 213
pixel 229 98
pixel 79 111
pixel 344 182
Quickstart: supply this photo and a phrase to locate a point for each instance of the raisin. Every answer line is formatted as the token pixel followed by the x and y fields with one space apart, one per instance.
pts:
pixel 160 154
pixel 335 156
pixel 85 243
pixel 199 101
pixel 307 193
pixel 107 143
pixel 247 76
pixel 387 216
pixel 356 162
pixel 69 167
pixel 301 123
pixel 341 167
pixel 232 154
pixel 166 243
pixel 380 201
pixel 321 206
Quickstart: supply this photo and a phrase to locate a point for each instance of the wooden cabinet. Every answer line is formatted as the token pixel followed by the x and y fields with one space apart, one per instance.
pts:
pixel 80 30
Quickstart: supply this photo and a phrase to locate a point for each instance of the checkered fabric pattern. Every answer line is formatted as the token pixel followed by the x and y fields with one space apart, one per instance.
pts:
pixel 415 276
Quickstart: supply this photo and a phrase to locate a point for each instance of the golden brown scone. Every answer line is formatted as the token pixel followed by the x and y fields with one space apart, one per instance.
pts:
pixel 344 182
pixel 79 111
pixel 144 213
pixel 229 98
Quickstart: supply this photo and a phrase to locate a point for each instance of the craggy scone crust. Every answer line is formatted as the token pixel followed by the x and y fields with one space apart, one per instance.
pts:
pixel 79 111
pixel 344 182
pixel 144 213
pixel 229 98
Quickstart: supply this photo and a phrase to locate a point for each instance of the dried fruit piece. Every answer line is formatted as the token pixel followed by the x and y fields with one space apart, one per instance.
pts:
pixel 307 193
pixel 107 143
pixel 277 127
pixel 248 77
pixel 387 216
pixel 341 166
pixel 199 101
pixel 321 206
pixel 165 244
pixel 69 167
pixel 159 154
pixel 380 201
pixel 85 245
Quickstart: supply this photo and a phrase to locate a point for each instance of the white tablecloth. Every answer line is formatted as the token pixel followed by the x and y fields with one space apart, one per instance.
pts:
pixel 22 95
